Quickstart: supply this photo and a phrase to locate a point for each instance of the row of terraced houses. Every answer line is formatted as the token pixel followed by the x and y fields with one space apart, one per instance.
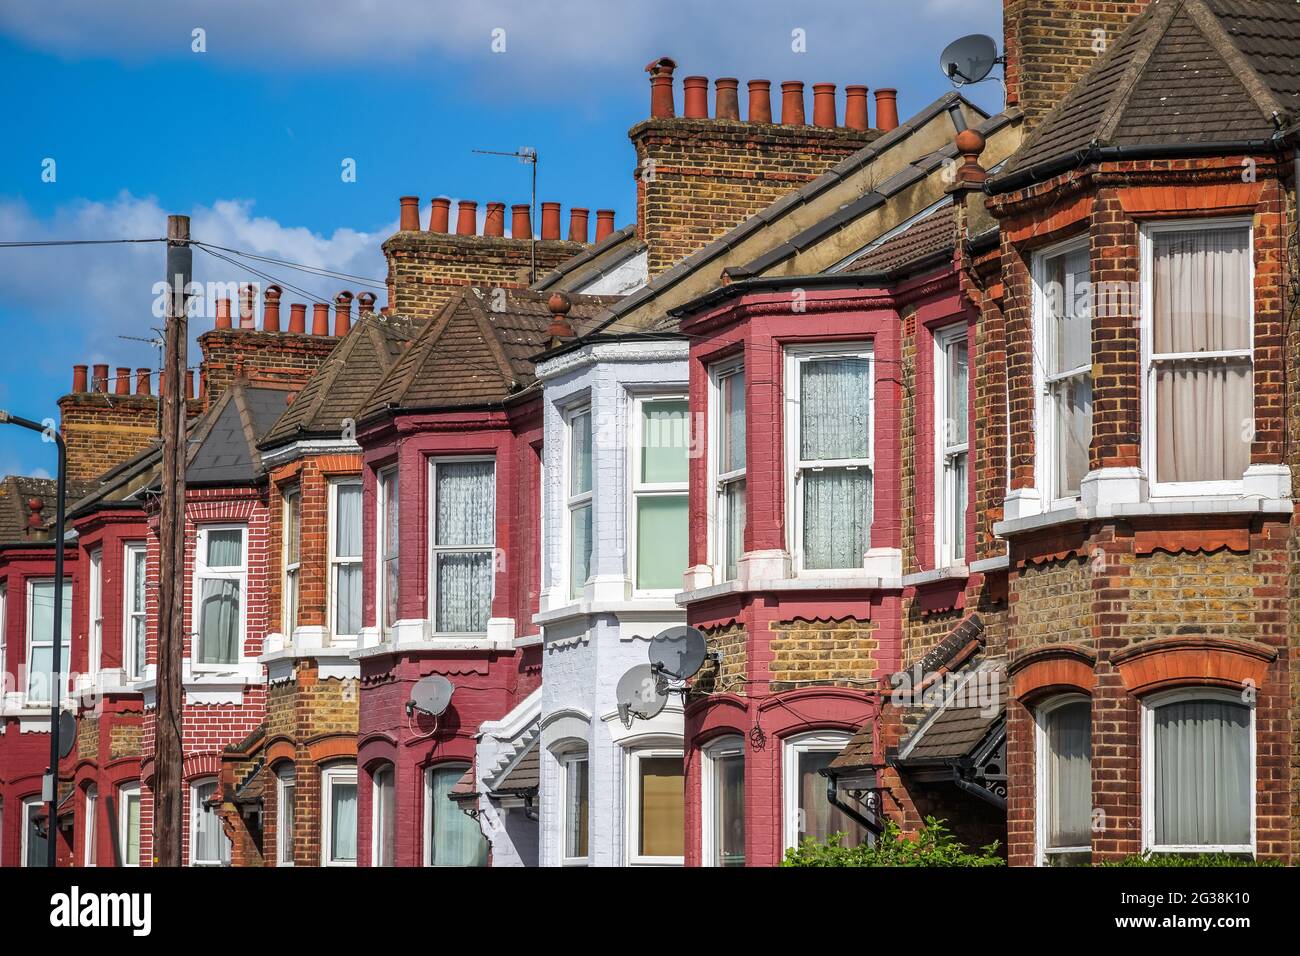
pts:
pixel 968 442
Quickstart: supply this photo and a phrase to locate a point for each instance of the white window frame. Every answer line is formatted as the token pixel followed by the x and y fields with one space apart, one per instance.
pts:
pixel 426 825
pixel 649 489
pixel 1045 437
pixel 291 573
pixel 91 798
pixel 572 503
pixel 28 805
pixel 1041 795
pixel 64 654
pixel 1145 235
pixel 718 480
pixel 377 835
pixel 4 641
pixel 340 774
pixel 821 741
pixel 336 562
pixel 565 759
pixel 632 802
pixel 95 609
pixel 386 483
pixel 1149 706
pixel 437 549
pixel 129 614
pixel 732 745
pixel 125 794
pixel 196 811
pixel 795 464
pixel 286 779
pixel 203 572
pixel 949 540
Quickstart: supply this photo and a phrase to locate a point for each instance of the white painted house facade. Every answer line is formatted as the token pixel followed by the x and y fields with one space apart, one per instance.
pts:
pixel 614 552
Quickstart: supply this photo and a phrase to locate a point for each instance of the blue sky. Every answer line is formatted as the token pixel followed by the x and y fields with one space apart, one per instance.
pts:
pixel 248 137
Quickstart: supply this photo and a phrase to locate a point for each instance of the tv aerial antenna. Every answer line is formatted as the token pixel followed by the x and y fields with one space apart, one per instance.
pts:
pixel 431 696
pixel 676 655
pixel 969 59
pixel 525 154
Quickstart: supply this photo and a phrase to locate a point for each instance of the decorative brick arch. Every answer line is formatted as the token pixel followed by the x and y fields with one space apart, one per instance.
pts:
pixel 1181 661
pixel 332 747
pixel 1053 669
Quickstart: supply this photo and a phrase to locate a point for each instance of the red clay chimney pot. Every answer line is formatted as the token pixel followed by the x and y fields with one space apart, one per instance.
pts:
pixel 271 309
pixel 695 92
pixel 79 378
pixel 298 317
pixel 189 383
pixel 99 383
pixel 760 101
pixel 365 303
pixel 855 107
pixel 792 103
pixel 223 313
pixel 409 219
pixel 142 383
pixel 886 109
pixel 550 220
pixel 726 102
pixel 824 105
pixel 604 224
pixel 494 221
pixel 247 300
pixel 342 313
pixel 123 384
pixel 521 221
pixel 320 318
pixel 439 214
pixel 466 217
pixel 578 224
pixel 661 87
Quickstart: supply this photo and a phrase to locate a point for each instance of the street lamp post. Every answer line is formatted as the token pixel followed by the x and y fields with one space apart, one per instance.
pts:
pixel 51 785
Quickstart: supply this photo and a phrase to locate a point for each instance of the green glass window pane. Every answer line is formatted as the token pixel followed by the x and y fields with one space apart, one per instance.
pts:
pixel 660 541
pixel 664 441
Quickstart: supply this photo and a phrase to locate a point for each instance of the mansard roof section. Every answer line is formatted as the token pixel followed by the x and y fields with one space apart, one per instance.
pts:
pixel 1185 74
pixel 607 267
pixel 478 350
pixel 340 386
pixel 829 206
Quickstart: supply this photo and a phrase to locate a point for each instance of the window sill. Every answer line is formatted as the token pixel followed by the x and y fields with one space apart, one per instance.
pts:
pixel 951 572
pixel 433 645
pixel 1153 508
pixel 807 582
pixel 665 605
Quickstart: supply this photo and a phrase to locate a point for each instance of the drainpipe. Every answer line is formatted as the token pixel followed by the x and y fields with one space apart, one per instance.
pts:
pixel 851 812
pixel 530 810
pixel 987 796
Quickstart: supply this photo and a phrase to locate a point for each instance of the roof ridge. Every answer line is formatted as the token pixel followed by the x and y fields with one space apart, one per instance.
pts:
pixel 488 329
pixel 1211 27
pixel 1136 68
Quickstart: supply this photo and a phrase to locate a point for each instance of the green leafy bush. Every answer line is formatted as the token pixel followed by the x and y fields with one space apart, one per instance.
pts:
pixel 1188 859
pixel 934 845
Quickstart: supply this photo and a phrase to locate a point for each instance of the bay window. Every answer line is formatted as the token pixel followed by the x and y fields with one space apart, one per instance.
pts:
pixel 41 679
pixel 95 631
pixel 383 829
pixel 952 444
pixel 292 512
pixel 723 802
pixel 578 497
pixel 829 424
pixel 1063 758
pixel 388 580
pixel 656 807
pixel 345 559
pixel 88 841
pixel 1063 368
pixel 286 794
pixel 808 814
pixel 128 823
pixel 574 769
pixel 659 493
pixel 339 815
pixel 1197 346
pixel 728 466
pixel 209 845
pixel 1198 772
pixel 133 601
pixel 34 837
pixel 219 584
pixel 464 540
pixel 451 837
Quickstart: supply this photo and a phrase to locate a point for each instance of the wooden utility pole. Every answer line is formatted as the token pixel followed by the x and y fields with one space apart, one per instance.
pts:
pixel 168 796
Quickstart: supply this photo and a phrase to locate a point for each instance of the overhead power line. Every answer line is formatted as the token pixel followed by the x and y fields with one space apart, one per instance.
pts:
pixel 71 242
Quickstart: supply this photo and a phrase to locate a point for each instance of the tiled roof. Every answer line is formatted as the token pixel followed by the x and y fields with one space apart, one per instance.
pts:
pixel 524 776
pixel 928 236
pixel 964 720
pixel 16 492
pixel 224 445
pixel 1184 72
pixel 477 351
pixel 343 382
pixel 577 271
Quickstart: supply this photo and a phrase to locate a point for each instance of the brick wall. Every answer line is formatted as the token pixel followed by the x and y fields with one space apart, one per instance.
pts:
pixel 102 430
pixel 425 269
pixel 1050 44
pixel 698 178
pixel 276 358
pixel 841 653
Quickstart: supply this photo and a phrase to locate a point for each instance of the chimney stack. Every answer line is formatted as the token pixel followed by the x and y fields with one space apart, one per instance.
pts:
pixel 824 105
pixel 439 214
pixel 886 109
pixel 695 93
pixel 409 219
pixel 494 222
pixel 342 313
pixel 726 102
pixel 79 378
pixel 760 101
pixel 550 220
pixel 320 319
pixel 521 221
pixel 466 217
pixel 661 87
pixel 855 108
pixel 271 309
pixel 578 224
pixel 298 317
pixel 604 224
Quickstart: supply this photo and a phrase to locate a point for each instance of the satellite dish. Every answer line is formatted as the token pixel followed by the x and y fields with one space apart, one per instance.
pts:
pixel 432 694
pixel 969 59
pixel 678 652
pixel 640 693
pixel 67 733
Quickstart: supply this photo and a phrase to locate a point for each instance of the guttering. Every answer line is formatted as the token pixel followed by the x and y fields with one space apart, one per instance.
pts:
pixel 873 825
pixel 1094 153
pixel 988 796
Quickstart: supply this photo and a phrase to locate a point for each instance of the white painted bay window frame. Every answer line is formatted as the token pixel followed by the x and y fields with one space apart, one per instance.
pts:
pixel 568 768
pixel 952 447
pixel 646 490
pixel 388 556
pixel 633 808
pixel 88 848
pixel 723 479
pixel 823 741
pixel 95 634
pixel 127 794
pixel 714 752
pixel 205 572
pixel 291 558
pixel 338 563
pixel 435 549
pixel 577 501
pixel 65 651
pixel 383 842
pixel 286 811
pixel 131 653
pixel 197 814
pixel 341 775
pixel 1042 778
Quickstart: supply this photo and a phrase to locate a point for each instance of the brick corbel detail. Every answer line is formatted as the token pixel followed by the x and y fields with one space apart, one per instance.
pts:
pixel 340 464
pixel 281 749
pixel 332 747
pixel 1150 202
pixel 1179 661
pixel 1075 211
pixel 1054 669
